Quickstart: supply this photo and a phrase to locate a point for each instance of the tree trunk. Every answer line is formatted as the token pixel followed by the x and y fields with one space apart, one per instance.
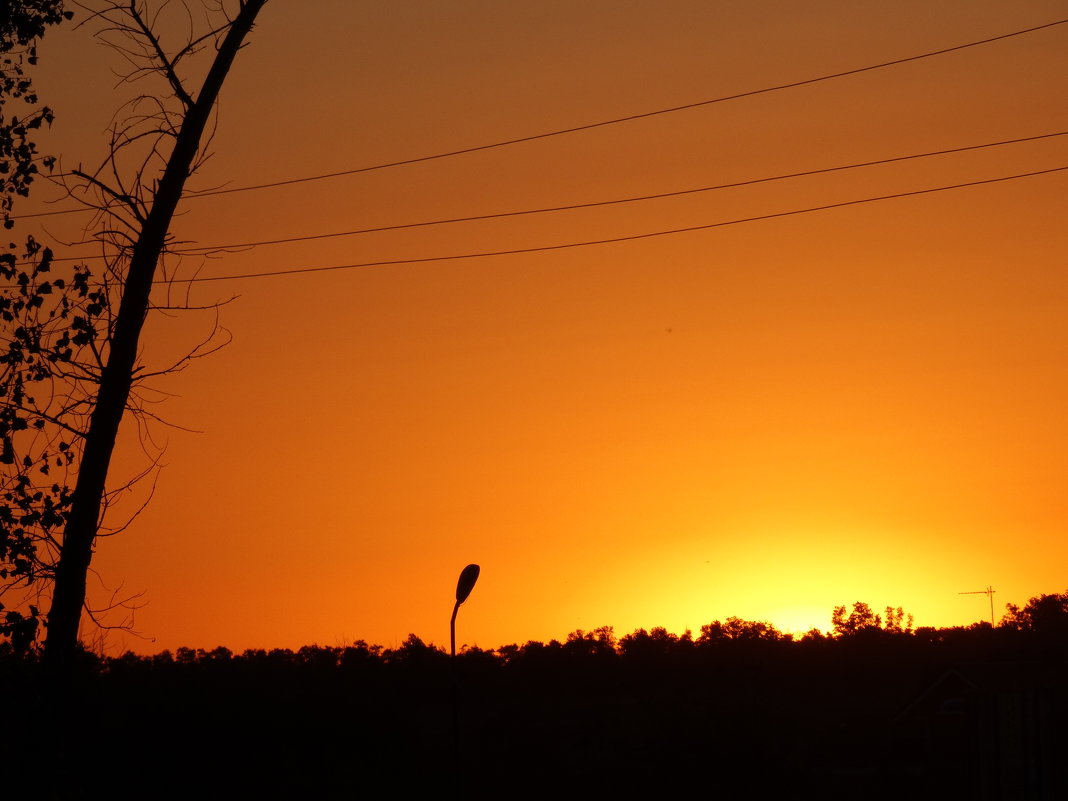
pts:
pixel 83 520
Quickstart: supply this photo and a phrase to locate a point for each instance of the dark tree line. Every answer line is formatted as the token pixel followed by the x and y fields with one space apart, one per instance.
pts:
pixel 864 712
pixel 1042 620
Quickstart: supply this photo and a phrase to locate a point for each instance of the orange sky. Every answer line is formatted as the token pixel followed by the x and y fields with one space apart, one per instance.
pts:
pixel 763 420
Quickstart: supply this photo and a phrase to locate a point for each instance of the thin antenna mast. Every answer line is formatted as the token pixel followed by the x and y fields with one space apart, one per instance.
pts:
pixel 989 591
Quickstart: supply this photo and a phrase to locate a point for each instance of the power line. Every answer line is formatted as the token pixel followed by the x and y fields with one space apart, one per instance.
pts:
pixel 202 249
pixel 632 117
pixel 611 240
pixel 633 237
pixel 600 124
pixel 616 201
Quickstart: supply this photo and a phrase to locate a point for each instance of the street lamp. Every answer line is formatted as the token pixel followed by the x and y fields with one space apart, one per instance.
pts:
pixel 468 577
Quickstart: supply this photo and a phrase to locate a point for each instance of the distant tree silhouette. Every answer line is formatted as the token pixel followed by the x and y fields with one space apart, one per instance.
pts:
pixel 897 621
pixel 863 621
pixel 414 653
pixel 656 643
pixel 1044 614
pixel 599 642
pixel 734 628
pixel 359 655
pixel 860 619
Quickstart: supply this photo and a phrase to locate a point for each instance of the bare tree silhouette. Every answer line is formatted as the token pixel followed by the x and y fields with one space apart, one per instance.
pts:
pixel 77 369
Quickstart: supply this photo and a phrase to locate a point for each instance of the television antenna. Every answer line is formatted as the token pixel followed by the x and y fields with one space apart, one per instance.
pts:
pixel 989 591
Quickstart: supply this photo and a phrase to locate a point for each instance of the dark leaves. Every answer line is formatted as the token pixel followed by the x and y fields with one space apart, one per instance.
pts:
pixel 47 329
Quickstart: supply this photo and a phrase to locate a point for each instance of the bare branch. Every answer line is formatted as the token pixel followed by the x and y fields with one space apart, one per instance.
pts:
pixel 128 200
pixel 165 64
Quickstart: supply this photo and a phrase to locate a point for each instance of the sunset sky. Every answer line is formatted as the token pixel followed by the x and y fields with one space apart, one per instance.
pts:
pixel 765 419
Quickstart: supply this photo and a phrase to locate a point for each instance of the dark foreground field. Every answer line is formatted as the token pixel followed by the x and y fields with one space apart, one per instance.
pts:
pixel 953 714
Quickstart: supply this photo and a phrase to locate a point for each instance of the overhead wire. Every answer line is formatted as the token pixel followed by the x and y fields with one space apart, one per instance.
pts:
pixel 205 249
pixel 594 125
pixel 611 240
pixel 618 201
pixel 638 116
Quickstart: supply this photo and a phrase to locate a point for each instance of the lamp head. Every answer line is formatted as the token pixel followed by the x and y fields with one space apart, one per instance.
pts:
pixel 468 577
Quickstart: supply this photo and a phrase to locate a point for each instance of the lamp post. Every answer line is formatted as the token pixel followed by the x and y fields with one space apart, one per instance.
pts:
pixel 468 577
